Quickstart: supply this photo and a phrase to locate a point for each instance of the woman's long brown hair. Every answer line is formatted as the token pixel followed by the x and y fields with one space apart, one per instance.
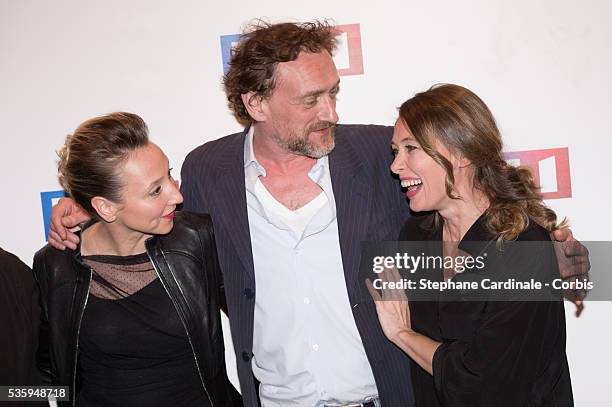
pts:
pixel 463 123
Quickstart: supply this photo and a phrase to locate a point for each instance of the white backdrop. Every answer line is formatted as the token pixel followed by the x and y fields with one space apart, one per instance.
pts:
pixel 542 66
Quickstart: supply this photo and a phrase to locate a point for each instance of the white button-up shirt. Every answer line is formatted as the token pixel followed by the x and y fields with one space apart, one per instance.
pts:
pixel 306 347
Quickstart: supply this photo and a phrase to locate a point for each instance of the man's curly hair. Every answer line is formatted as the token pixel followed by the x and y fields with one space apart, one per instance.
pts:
pixel 260 48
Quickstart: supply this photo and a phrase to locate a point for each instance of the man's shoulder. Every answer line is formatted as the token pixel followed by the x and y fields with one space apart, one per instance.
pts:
pixel 373 139
pixel 215 149
pixel 357 132
pixel 367 144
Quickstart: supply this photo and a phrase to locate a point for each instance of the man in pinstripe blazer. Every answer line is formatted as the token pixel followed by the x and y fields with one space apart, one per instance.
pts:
pixel 291 198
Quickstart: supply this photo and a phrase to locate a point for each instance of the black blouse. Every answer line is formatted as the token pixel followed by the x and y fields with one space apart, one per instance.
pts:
pixel 134 350
pixel 493 353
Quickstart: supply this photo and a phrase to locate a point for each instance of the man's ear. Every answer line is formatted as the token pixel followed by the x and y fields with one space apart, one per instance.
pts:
pixel 253 103
pixel 106 209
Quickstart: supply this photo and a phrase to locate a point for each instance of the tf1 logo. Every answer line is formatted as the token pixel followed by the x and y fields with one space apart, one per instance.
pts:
pixel 550 168
pixel 348 56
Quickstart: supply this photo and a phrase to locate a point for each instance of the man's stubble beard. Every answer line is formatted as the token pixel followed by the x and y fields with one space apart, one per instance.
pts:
pixel 303 146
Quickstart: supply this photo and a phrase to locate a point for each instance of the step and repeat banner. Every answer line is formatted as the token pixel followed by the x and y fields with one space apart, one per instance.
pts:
pixel 542 67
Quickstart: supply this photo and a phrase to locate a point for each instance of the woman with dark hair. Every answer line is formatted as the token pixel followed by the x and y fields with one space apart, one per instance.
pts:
pixel 488 351
pixel 131 317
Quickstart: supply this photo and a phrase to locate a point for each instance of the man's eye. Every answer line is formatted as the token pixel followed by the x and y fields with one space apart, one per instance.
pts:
pixel 394 151
pixel 156 191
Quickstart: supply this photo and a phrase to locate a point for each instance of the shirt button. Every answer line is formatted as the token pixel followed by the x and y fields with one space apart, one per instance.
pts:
pixel 246 357
pixel 306 300
pixel 249 293
pixel 315 347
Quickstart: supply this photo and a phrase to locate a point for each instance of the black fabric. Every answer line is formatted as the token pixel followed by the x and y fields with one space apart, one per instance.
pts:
pixel 186 261
pixel 134 350
pixel 19 319
pixel 19 316
pixel 497 353
pixel 370 207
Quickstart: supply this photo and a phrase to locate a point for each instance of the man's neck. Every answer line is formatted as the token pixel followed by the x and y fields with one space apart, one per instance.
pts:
pixel 275 158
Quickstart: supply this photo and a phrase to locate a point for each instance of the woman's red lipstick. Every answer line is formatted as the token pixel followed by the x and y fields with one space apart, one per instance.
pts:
pixel 169 216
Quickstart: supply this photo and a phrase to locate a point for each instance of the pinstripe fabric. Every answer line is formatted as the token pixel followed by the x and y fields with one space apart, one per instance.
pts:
pixel 370 207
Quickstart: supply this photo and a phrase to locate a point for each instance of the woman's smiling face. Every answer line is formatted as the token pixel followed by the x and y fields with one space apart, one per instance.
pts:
pixel 423 178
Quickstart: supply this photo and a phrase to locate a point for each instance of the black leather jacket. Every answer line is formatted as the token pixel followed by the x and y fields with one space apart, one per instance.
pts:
pixel 186 263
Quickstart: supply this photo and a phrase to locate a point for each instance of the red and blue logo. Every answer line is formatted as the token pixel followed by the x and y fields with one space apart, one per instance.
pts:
pixel 550 168
pixel 348 56
pixel 47 200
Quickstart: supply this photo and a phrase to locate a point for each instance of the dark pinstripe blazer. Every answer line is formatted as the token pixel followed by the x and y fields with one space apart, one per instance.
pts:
pixel 370 207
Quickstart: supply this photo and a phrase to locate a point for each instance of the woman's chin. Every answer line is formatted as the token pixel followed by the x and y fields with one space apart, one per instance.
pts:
pixel 419 207
pixel 164 228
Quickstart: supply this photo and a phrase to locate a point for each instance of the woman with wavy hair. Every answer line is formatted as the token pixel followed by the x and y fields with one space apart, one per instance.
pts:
pixel 490 351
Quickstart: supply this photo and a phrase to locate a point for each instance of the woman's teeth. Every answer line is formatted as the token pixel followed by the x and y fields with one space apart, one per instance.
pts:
pixel 407 183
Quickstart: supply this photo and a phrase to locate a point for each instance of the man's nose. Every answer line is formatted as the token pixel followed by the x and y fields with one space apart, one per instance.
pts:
pixel 328 112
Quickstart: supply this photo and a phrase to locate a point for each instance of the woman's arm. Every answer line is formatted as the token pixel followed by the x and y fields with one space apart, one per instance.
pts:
pixel 394 317
pixel 419 347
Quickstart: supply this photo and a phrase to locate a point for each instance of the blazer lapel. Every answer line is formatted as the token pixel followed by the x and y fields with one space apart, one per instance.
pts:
pixel 230 201
pixel 353 196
